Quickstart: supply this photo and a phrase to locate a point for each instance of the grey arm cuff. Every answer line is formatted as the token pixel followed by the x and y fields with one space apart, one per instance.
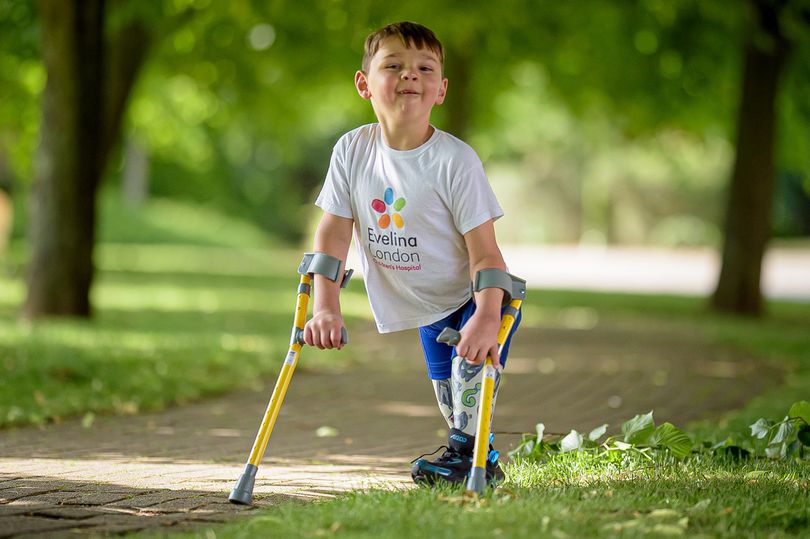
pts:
pixel 326 265
pixel 513 287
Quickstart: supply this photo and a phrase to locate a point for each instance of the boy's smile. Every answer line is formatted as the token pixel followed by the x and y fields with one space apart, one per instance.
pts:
pixel 403 84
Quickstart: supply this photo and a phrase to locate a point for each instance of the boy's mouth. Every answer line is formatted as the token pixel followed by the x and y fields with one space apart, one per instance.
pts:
pixel 408 92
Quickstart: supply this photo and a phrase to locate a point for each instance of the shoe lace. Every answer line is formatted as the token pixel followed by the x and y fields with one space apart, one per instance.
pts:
pixel 432 452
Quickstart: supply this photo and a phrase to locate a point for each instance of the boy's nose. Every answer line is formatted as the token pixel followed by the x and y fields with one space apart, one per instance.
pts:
pixel 409 75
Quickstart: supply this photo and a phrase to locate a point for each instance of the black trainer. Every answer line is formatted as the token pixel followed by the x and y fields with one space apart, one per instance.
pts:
pixel 455 463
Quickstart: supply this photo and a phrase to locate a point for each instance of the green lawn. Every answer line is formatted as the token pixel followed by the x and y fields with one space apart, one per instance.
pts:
pixel 179 316
pixel 575 496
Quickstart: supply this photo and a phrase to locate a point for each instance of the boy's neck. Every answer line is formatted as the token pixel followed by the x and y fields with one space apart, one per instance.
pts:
pixel 406 138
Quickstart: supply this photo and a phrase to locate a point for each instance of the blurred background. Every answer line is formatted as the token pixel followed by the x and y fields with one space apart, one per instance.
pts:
pixel 159 160
pixel 600 122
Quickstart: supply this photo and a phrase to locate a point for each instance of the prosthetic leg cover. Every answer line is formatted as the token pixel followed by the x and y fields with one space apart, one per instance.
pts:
pixel 444 397
pixel 466 388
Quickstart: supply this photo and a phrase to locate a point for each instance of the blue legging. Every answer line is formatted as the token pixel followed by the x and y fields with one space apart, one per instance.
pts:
pixel 439 356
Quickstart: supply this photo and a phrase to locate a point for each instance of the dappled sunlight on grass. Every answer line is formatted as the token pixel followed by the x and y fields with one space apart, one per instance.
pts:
pixel 178 258
pixel 178 297
pixel 172 323
pixel 12 292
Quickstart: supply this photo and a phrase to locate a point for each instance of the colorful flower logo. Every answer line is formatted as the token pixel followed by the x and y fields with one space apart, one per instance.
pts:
pixel 382 207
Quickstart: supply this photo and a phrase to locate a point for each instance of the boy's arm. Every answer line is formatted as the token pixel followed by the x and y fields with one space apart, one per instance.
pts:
pixel 479 336
pixel 333 237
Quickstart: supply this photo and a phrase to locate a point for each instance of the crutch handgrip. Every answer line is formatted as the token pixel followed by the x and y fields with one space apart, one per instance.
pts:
pixel 299 336
pixel 449 336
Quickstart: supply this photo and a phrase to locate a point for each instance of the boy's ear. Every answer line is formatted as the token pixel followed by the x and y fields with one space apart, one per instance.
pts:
pixel 442 92
pixel 361 83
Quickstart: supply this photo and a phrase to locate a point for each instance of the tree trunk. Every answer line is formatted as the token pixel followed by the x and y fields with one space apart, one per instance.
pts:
pixel 89 83
pixel 750 198
pixel 69 160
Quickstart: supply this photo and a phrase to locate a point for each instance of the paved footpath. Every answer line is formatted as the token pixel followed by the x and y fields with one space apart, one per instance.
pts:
pixel 175 468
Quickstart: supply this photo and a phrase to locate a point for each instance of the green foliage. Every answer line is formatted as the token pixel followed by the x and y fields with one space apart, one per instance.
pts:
pixel 22 79
pixel 639 429
pixel 780 439
pixel 240 103
pixel 784 439
pixel 639 434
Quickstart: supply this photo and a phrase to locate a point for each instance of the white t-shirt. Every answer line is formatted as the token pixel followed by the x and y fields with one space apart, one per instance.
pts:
pixel 410 210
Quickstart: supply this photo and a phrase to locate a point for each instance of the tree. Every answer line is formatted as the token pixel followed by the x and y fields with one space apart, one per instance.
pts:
pixel 92 65
pixel 69 160
pixel 750 198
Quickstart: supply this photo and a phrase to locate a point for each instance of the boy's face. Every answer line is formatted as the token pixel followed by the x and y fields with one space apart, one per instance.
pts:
pixel 402 83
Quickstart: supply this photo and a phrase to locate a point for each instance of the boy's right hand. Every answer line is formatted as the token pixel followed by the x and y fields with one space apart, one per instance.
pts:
pixel 324 330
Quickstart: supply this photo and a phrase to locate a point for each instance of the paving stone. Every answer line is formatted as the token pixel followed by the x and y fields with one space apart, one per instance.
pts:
pixel 14 525
pixel 179 505
pixel 12 509
pixel 74 513
pixel 16 493
pixel 116 524
pixel 150 499
pixel 222 507
pixel 51 497
pixel 6 482
pixel 95 498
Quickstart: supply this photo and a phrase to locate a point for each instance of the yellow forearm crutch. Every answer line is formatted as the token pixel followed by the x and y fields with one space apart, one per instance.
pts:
pixel 477 481
pixel 330 267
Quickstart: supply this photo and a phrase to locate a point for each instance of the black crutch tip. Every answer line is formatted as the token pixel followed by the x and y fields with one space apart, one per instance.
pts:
pixel 241 497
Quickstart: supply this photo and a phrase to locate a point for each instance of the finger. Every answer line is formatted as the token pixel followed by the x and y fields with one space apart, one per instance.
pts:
pixel 326 339
pixel 496 357
pixel 336 340
pixel 317 337
pixel 462 348
pixel 308 338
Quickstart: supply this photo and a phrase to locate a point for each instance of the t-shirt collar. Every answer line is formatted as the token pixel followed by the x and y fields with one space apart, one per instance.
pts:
pixel 406 153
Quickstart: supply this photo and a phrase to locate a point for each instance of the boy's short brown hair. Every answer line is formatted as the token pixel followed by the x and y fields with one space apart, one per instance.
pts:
pixel 411 34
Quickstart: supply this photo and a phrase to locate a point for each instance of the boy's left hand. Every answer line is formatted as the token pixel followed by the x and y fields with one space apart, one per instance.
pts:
pixel 479 339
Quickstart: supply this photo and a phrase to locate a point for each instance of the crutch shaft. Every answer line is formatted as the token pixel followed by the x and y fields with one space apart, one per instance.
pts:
pixel 270 415
pixel 323 264
pixel 242 493
pixel 477 479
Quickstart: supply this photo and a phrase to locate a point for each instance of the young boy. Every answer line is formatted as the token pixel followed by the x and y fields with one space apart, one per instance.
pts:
pixel 422 212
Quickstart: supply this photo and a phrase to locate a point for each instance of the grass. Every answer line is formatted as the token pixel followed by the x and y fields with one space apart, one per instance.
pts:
pixel 577 495
pixel 174 321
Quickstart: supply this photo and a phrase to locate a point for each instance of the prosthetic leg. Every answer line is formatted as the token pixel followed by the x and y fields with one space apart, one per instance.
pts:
pixel 514 292
pixel 312 263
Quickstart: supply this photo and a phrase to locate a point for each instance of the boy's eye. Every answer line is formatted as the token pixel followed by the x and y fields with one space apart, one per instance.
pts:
pixel 426 68
pixel 393 66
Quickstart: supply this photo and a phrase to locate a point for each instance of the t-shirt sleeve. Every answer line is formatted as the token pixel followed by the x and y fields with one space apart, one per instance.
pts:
pixel 335 196
pixel 472 200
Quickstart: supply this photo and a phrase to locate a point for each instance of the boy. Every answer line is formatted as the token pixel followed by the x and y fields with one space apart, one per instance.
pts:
pixel 423 212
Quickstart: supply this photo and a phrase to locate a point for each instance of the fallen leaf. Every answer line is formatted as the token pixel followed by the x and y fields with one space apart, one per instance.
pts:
pixel 663 514
pixel 326 432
